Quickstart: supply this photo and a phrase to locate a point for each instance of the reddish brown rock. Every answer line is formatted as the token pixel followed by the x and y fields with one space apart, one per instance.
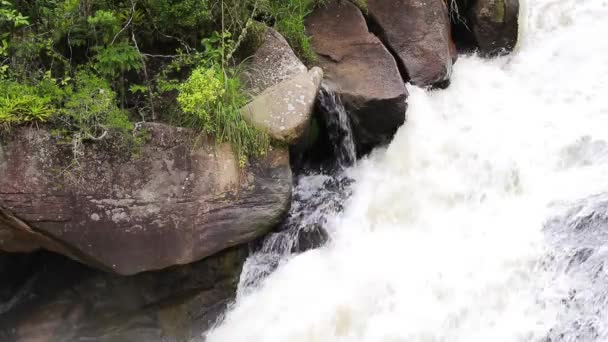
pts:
pixel 178 200
pixel 362 71
pixel 419 34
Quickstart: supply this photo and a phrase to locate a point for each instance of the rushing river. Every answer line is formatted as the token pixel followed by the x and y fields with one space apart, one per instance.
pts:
pixel 486 218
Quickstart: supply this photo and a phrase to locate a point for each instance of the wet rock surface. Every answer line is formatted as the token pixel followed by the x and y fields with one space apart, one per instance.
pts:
pixel 490 27
pixel 59 300
pixel 362 70
pixel 495 25
pixel 180 199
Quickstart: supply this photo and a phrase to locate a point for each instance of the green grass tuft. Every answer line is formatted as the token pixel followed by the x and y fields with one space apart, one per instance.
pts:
pixel 211 100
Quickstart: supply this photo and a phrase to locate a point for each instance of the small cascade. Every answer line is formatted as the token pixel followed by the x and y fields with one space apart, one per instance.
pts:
pixel 338 126
pixel 316 197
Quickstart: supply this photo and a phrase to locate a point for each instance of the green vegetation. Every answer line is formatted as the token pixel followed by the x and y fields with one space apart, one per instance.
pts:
pixel 213 98
pixel 20 103
pixel 91 69
pixel 290 22
pixel 362 4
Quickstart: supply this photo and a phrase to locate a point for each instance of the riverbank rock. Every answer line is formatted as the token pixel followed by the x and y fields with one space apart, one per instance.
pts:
pixel 284 110
pixel 284 90
pixel 181 198
pixel 495 25
pixel 271 63
pixel 362 71
pixel 57 299
pixel 419 34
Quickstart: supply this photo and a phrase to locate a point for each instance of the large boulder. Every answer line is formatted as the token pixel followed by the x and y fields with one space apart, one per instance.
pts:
pixel 494 24
pixel 271 63
pixel 284 110
pixel 284 90
pixel 54 299
pixel 180 198
pixel 362 70
pixel 419 34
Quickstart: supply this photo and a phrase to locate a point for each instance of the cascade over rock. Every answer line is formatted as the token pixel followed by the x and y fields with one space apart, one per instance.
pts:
pixel 362 70
pixel 180 199
pixel 419 34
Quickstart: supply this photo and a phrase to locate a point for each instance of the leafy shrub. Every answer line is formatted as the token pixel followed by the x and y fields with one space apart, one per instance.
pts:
pixel 137 55
pixel 200 93
pixel 114 59
pixel 106 23
pixel 90 109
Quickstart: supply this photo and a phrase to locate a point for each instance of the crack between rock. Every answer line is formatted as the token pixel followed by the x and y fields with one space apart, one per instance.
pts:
pixel 374 28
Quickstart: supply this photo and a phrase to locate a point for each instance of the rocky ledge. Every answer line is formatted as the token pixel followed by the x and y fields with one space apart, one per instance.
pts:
pixel 180 199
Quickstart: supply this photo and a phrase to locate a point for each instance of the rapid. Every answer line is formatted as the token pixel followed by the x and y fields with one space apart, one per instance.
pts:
pixel 485 219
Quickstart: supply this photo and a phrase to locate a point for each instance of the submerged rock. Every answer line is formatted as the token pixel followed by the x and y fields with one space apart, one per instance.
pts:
pixel 419 34
pixel 495 25
pixel 181 198
pixel 60 300
pixel 489 26
pixel 364 73
pixel 284 110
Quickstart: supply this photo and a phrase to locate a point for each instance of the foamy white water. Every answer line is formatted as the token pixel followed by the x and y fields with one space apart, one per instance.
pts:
pixel 443 238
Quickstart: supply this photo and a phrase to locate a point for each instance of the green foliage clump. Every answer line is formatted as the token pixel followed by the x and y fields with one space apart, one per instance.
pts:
pixel 200 93
pixel 115 59
pixel 90 109
pixel 20 104
pixel 289 21
pixel 211 98
pixel 362 4
pixel 90 69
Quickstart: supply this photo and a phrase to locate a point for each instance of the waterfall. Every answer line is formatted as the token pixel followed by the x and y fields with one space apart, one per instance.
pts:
pixel 484 220
pixel 316 198
pixel 338 126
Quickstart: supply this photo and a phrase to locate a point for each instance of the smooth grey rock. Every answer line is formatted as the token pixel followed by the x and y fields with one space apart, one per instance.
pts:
pixel 284 110
pixel 272 63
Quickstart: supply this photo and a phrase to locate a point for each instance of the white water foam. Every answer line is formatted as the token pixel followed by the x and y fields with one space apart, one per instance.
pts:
pixel 442 239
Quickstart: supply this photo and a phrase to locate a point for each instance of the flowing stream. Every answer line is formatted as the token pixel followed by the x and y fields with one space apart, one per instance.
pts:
pixel 486 218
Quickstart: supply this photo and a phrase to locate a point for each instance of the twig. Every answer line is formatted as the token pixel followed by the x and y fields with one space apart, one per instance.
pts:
pixel 159 56
pixel 101 137
pixel 143 63
pixel 127 24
